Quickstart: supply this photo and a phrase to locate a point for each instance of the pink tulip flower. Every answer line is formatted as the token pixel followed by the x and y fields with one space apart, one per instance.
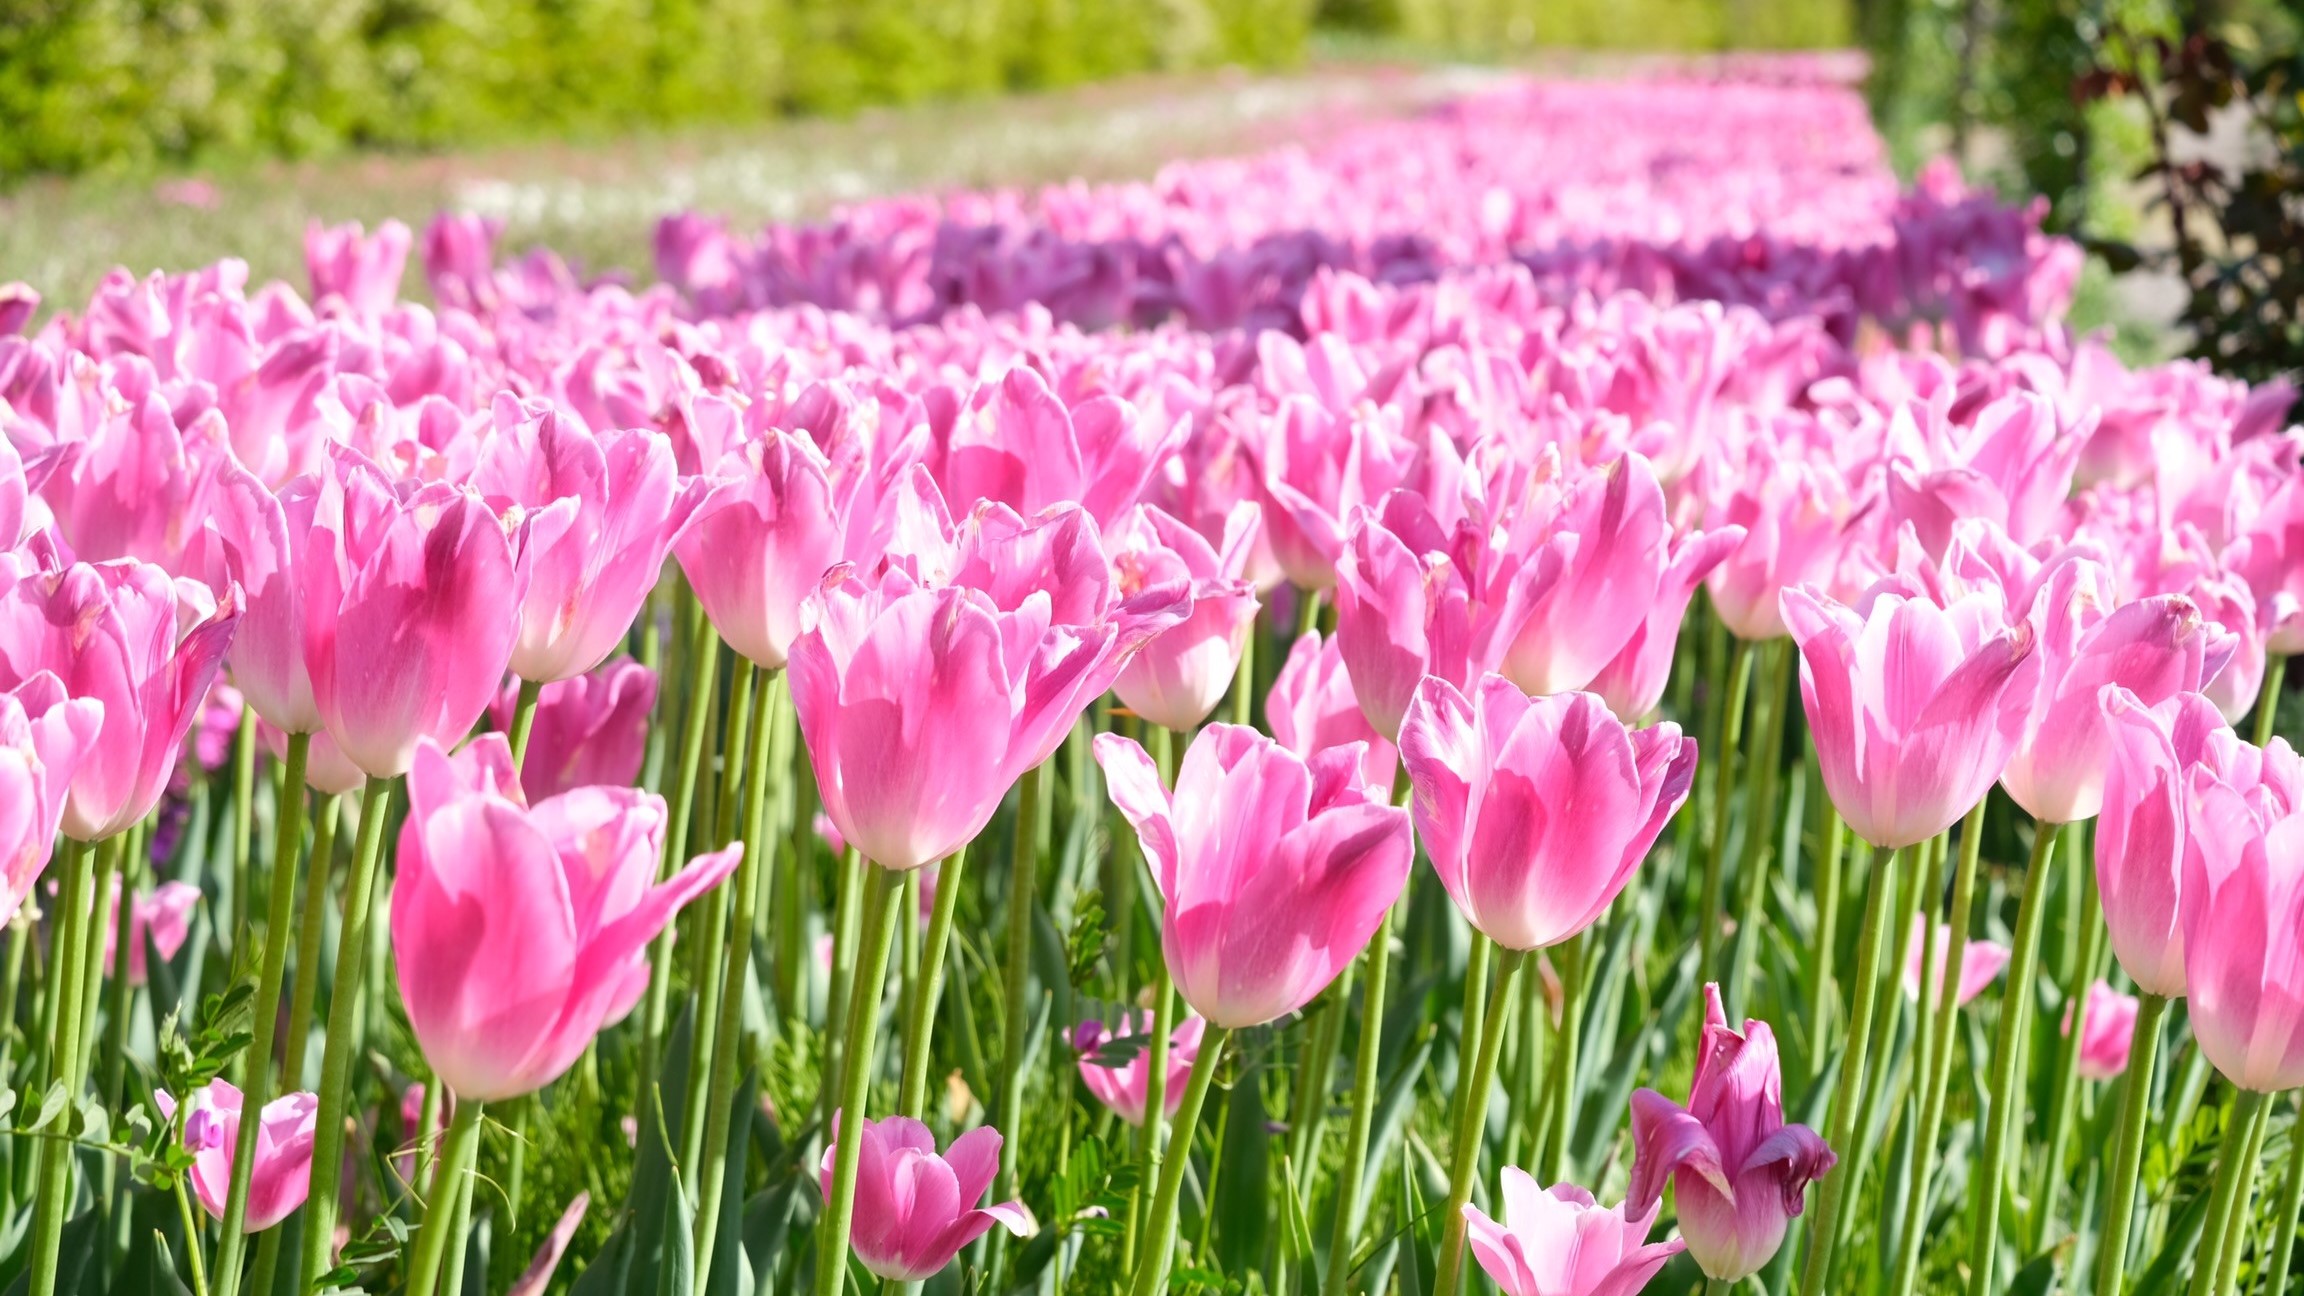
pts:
pixel 1274 870
pixel 1184 671
pixel 1741 1174
pixel 126 636
pixel 893 674
pixel 1020 445
pixel 2142 835
pixel 1312 707
pixel 1612 537
pixel 596 517
pixel 410 611
pixel 1536 811
pixel 1558 1241
pixel 218 726
pixel 1981 962
pixel 1633 683
pixel 360 271
pixel 1127 1086
pixel 2155 648
pixel 43 738
pixel 519 932
pixel 326 770
pixel 2271 556
pixel 263 537
pixel 761 542
pixel 1797 518
pixel 590 731
pixel 2107 1028
pixel 163 914
pixel 2243 915
pixel 283 1173
pixel 914 1209
pixel 1316 466
pixel 1914 708
pixel 138 487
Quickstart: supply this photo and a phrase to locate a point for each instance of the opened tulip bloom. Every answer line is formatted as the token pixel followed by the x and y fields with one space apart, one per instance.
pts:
pixel 1633 683
pixel 1914 708
pixel 1312 707
pixel 360 270
pixel 1273 870
pixel 2243 915
pixel 43 738
pixel 1740 1175
pixel 126 636
pixel 590 731
pixel 915 1210
pixel 2107 1028
pixel 2142 833
pixel 1125 1087
pixel 1559 1241
pixel 1183 672
pixel 283 1172
pixel 1981 963
pixel 1536 811
pixel 519 932
pixel 411 609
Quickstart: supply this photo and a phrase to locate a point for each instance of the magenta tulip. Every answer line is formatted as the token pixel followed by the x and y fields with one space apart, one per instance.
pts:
pixel 43 739
pixel 1797 517
pixel 1020 445
pixel 2142 836
pixel 1633 683
pixel 283 1171
pixel 126 636
pixel 1741 1174
pixel 360 271
pixel 410 612
pixel 1981 963
pixel 2153 647
pixel 1183 672
pixel 590 731
pixel 162 915
pixel 596 517
pixel 2107 1028
pixel 1558 1241
pixel 2243 914
pixel 1611 536
pixel 1914 708
pixel 1312 708
pixel 2271 557
pixel 138 487
pixel 518 931
pixel 1536 811
pixel 914 1209
pixel 262 538
pixel 1274 870
pixel 761 542
pixel 1125 1087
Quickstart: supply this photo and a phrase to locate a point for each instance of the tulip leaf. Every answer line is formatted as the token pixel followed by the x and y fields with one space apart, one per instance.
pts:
pixel 1242 1186
pixel 730 1273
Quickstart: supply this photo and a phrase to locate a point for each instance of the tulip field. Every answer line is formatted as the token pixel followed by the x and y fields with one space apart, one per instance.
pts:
pixel 1572 694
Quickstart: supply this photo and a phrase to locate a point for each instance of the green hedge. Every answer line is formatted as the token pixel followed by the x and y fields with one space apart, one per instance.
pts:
pixel 88 83
pixel 1505 26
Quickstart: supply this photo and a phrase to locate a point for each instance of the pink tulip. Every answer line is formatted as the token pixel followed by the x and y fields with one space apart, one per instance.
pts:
pixel 1914 708
pixel 893 675
pixel 263 537
pixel 1312 708
pixel 1274 870
pixel 1741 1174
pixel 597 515
pixel 1020 445
pixel 1981 962
pixel 2225 600
pixel 1184 671
pixel 163 914
pixel 283 1173
pixel 1633 683
pixel 326 770
pixel 43 739
pixel 1125 1087
pixel 2243 915
pixel 139 487
pixel 1797 518
pixel 1611 536
pixel 2107 1028
pixel 218 725
pixel 2142 836
pixel 1558 1241
pixel 2271 557
pixel 355 269
pixel 15 492
pixel 1316 467
pixel 124 635
pixel 914 1209
pixel 761 541
pixel 590 731
pixel 1536 811
pixel 520 932
pixel 410 612
pixel 2153 647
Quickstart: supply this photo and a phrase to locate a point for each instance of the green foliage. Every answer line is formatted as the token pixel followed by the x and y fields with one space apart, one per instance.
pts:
pixel 1488 27
pixel 94 83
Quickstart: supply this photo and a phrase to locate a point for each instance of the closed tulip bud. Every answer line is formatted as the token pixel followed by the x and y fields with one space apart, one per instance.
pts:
pixel 1273 870
pixel 1536 811
pixel 1914 708
pixel 1559 1241
pixel 2243 914
pixel 915 1210
pixel 590 731
pixel 43 738
pixel 2107 1028
pixel 519 932
pixel 2142 834
pixel 1312 708
pixel 1184 671
pixel 761 542
pixel 1126 1086
pixel 283 1171
pixel 1740 1173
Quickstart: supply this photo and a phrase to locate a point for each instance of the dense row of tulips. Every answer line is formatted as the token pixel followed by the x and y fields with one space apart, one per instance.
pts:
pixel 598 694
